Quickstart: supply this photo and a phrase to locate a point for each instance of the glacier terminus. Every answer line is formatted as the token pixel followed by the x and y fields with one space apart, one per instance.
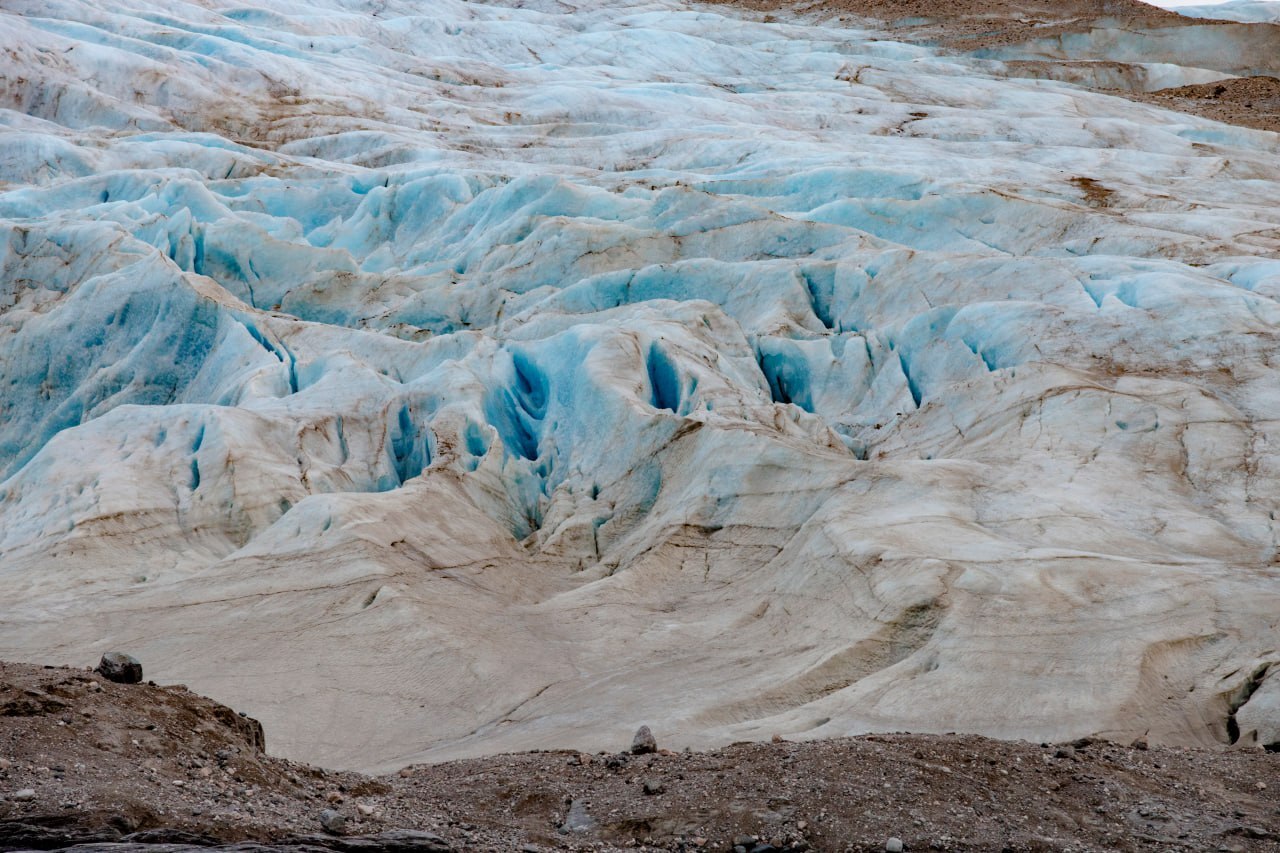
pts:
pixel 435 379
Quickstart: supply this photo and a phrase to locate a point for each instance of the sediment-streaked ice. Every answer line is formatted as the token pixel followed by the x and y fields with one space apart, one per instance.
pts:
pixel 438 379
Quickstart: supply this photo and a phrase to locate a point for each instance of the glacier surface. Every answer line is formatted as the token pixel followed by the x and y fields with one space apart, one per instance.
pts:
pixel 437 379
pixel 1245 11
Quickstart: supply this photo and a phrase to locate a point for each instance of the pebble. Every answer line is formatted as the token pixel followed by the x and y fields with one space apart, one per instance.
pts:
pixel 332 821
pixel 644 742
pixel 893 845
pixel 653 787
pixel 364 809
pixel 24 795
pixel 5 764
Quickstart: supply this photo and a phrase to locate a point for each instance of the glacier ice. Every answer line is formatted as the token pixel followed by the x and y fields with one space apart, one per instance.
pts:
pixel 433 380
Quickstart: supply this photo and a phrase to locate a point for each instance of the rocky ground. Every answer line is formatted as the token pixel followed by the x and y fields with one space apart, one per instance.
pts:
pixel 970 24
pixel 84 761
pixel 1248 101
pixel 974 25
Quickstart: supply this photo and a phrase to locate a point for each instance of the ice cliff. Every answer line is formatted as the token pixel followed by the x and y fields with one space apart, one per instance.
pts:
pixel 433 379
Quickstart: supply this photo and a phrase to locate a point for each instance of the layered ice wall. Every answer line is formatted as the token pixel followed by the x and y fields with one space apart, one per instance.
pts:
pixel 434 379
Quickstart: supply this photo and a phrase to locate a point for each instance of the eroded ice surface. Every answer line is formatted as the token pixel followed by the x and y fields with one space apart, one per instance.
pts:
pixel 432 379
pixel 1235 10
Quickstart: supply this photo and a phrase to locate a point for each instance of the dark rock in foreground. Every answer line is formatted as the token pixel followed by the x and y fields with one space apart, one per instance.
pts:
pixel 120 668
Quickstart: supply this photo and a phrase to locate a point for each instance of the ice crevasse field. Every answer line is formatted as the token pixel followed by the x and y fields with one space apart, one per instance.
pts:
pixel 439 379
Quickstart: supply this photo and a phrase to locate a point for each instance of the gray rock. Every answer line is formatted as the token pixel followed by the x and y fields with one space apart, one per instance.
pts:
pixel 578 820
pixel 893 845
pixel 653 787
pixel 24 795
pixel 121 668
pixel 643 742
pixel 333 821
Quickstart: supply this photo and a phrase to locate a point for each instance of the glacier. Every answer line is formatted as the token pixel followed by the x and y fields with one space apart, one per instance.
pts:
pixel 1244 11
pixel 434 380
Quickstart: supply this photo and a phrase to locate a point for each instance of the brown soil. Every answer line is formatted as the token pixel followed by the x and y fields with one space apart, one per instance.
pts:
pixel 968 25
pixel 159 764
pixel 973 24
pixel 1247 101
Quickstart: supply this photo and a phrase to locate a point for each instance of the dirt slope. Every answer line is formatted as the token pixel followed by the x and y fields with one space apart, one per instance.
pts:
pixel 159 768
pixel 985 25
pixel 1246 101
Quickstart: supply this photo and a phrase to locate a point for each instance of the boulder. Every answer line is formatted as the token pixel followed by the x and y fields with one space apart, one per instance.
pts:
pixel 121 668
pixel 643 742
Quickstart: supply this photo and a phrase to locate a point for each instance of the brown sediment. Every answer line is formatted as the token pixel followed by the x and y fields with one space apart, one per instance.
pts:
pixel 981 25
pixel 1246 101
pixel 84 760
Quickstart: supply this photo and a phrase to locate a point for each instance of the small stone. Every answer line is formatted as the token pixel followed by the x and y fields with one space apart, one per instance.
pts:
pixel 333 797
pixel 747 841
pixel 531 848
pixel 405 773
pixel 777 739
pixel 24 795
pixel 1262 786
pixel 644 742
pixel 5 764
pixel 893 845
pixel 1140 743
pixel 365 809
pixel 653 788
pixel 332 821
pixel 120 668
